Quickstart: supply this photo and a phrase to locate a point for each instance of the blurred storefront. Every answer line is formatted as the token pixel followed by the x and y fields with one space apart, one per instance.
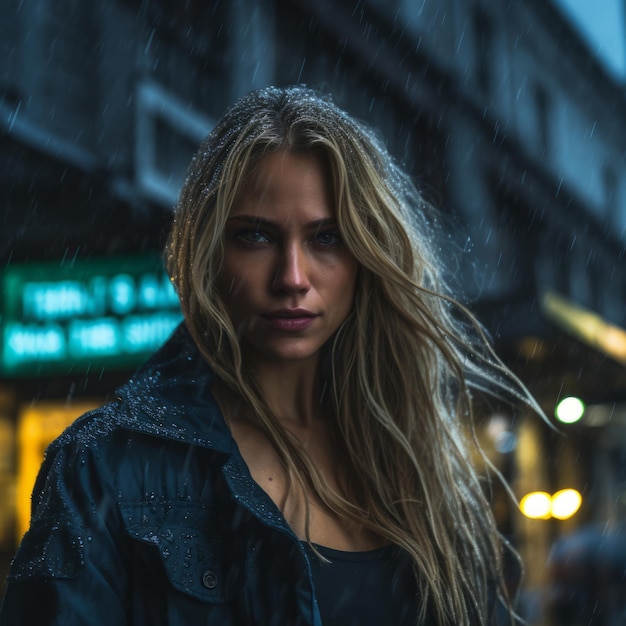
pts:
pixel 65 324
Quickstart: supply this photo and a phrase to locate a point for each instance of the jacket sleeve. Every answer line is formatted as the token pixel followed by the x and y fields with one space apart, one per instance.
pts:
pixel 69 568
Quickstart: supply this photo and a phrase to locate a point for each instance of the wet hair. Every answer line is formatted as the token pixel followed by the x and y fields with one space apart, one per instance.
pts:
pixel 398 372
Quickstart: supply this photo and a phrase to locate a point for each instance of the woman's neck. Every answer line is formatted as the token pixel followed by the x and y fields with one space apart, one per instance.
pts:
pixel 291 390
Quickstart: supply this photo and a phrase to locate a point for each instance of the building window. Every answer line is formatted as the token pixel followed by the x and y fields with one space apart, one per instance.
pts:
pixel 168 134
pixel 483 38
pixel 198 28
pixel 542 112
pixel 610 182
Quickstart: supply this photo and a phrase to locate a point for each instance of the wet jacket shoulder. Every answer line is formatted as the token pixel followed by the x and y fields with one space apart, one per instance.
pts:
pixel 144 513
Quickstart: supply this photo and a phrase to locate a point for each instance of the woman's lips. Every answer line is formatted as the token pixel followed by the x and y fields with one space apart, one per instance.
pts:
pixel 290 319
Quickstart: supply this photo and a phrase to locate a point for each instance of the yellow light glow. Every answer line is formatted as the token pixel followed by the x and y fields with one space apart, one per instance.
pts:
pixel 536 505
pixel 569 410
pixel 38 425
pixel 565 503
pixel 586 324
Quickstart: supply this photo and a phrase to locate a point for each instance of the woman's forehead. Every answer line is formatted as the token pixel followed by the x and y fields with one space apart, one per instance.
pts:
pixel 287 184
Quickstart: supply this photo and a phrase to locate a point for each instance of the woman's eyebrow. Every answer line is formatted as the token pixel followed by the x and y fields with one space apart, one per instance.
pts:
pixel 262 221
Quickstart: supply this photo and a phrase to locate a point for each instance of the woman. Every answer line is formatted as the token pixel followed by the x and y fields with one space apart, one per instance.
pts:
pixel 293 454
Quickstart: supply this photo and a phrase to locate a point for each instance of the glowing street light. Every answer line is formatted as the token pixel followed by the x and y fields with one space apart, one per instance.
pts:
pixel 569 410
pixel 536 505
pixel 541 505
pixel 565 503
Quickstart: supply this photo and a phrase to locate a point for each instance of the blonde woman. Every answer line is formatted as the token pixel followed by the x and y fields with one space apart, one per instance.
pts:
pixel 294 453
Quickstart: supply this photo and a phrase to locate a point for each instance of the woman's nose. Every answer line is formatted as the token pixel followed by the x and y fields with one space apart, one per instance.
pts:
pixel 292 273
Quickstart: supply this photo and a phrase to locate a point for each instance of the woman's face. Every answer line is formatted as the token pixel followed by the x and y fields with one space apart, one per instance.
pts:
pixel 287 280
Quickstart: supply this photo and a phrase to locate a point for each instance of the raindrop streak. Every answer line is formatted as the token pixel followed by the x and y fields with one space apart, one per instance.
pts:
pixel 301 70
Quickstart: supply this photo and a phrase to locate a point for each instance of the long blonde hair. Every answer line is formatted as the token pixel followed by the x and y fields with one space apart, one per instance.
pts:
pixel 397 374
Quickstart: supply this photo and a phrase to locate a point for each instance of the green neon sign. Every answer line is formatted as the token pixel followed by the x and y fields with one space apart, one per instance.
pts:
pixel 73 316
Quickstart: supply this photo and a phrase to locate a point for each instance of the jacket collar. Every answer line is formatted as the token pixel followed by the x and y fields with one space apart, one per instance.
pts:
pixel 169 397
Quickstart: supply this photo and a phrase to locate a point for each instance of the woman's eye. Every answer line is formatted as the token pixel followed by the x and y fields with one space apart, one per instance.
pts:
pixel 328 238
pixel 252 236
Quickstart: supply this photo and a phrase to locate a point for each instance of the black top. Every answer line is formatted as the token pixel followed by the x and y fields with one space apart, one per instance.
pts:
pixel 373 588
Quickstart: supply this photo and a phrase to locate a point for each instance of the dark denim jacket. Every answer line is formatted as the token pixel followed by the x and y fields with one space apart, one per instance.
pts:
pixel 144 513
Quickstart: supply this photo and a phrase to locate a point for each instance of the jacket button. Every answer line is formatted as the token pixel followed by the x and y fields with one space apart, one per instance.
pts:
pixel 209 579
